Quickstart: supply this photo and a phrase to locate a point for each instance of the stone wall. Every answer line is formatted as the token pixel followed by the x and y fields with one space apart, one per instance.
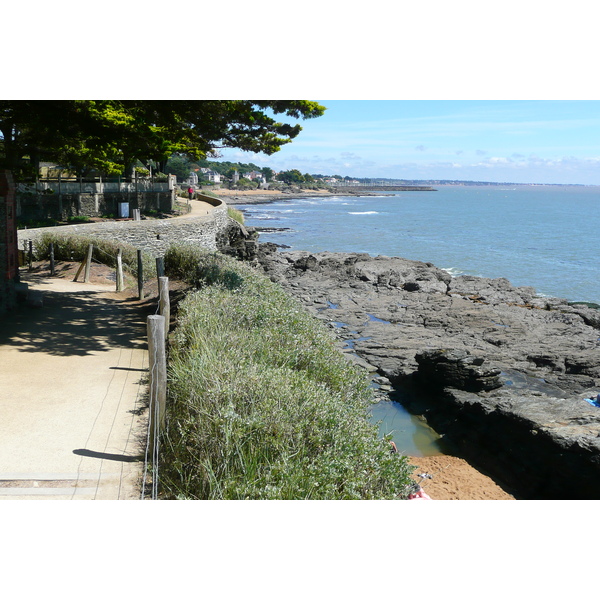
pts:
pixel 39 206
pixel 215 231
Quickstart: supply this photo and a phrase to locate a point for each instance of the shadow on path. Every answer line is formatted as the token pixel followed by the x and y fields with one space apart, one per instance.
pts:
pixel 74 323
pixel 106 456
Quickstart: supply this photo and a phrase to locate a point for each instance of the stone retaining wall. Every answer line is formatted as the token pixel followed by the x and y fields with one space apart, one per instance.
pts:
pixel 151 235
pixel 39 206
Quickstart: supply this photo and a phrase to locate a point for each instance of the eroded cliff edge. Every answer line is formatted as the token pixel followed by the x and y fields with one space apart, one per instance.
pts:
pixel 500 371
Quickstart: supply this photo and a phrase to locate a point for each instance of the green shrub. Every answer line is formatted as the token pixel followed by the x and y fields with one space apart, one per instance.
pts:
pixel 261 403
pixel 80 219
pixel 36 223
pixel 199 267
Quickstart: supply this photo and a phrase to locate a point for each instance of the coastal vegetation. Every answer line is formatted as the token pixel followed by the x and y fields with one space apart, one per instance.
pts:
pixel 69 247
pixel 236 215
pixel 261 404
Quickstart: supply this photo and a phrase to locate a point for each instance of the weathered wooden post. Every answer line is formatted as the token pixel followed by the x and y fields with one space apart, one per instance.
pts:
pixel 52 259
pixel 140 275
pixel 120 283
pixel 158 376
pixel 30 255
pixel 164 302
pixel 88 264
pixel 160 266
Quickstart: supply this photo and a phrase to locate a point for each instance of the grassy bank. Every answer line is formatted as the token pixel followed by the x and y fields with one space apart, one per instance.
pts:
pixel 261 403
pixel 71 247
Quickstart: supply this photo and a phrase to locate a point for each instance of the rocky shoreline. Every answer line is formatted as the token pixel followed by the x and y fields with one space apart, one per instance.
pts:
pixel 501 372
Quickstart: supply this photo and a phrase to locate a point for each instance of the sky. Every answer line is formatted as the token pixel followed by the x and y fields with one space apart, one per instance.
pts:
pixel 439 90
pixel 516 141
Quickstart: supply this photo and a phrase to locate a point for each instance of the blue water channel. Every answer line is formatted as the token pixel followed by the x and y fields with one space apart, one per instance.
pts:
pixel 410 433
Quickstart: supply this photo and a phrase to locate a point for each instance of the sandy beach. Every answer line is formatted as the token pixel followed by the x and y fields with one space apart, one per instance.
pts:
pixel 453 478
pixel 233 197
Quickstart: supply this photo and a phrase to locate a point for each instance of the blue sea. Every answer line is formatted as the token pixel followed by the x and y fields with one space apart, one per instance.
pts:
pixel 547 237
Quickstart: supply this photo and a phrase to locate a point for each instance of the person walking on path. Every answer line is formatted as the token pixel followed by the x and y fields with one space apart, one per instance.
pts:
pixel 191 192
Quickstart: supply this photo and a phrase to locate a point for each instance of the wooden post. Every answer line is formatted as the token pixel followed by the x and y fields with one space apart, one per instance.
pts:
pixel 120 283
pixel 79 270
pixel 158 376
pixel 30 255
pixel 160 266
pixel 52 272
pixel 88 264
pixel 140 275
pixel 164 302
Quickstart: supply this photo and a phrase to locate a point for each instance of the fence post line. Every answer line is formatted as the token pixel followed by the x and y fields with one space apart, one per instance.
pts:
pixel 158 375
pixel 164 302
pixel 120 284
pixel 52 258
pixel 140 275
pixel 160 266
pixel 88 264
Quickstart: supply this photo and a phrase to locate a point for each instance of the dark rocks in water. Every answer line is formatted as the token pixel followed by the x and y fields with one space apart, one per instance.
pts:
pixel 271 229
pixel 405 307
pixel 538 445
pixel 457 369
pixel 466 336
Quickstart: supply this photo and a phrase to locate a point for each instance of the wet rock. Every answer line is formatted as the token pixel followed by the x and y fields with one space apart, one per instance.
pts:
pixel 409 306
pixel 457 369
pixel 508 366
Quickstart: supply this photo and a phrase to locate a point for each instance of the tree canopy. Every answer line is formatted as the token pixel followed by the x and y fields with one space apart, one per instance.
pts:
pixel 291 176
pixel 109 135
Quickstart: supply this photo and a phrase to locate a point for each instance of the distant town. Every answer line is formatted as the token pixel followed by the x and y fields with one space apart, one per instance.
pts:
pixel 250 175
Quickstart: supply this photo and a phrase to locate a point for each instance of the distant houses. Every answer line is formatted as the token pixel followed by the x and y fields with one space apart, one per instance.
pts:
pixel 254 176
pixel 209 174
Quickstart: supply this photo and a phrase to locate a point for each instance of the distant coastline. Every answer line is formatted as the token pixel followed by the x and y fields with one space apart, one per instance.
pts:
pixel 234 197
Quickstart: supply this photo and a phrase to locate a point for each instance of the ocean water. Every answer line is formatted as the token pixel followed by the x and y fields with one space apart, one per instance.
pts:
pixel 547 237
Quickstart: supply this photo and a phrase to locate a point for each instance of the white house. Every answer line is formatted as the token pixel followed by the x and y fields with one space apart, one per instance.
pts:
pixel 212 176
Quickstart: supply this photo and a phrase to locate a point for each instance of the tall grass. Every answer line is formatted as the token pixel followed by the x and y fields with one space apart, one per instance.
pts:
pixel 236 215
pixel 261 403
pixel 71 247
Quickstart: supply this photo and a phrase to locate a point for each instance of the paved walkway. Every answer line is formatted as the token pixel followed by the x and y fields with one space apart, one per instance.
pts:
pixel 72 395
pixel 198 208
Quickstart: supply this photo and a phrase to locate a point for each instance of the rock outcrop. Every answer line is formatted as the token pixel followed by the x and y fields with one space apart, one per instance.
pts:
pixel 489 360
pixel 456 369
